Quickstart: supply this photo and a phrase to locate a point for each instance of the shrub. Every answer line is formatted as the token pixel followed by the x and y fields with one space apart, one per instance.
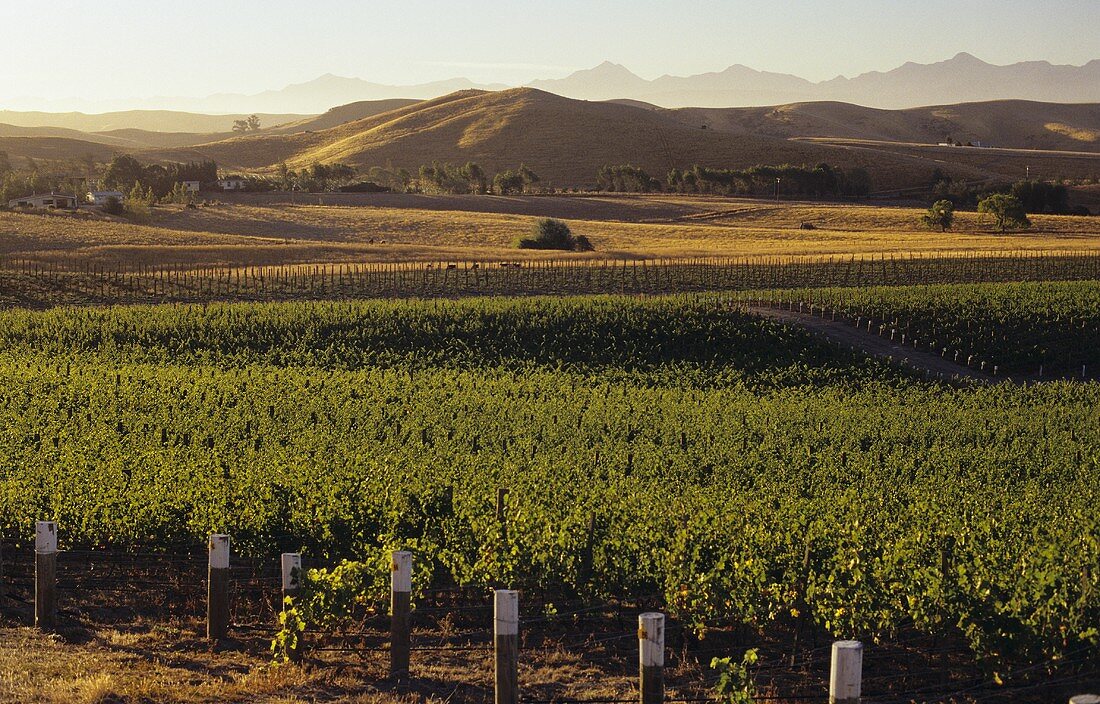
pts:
pixel 113 206
pixel 555 234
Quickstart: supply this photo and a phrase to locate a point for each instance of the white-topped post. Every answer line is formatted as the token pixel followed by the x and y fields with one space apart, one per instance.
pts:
pixel 217 587
pixel 291 564
pixel 506 645
pixel 291 567
pixel 400 605
pixel 651 657
pixel 45 574
pixel 846 673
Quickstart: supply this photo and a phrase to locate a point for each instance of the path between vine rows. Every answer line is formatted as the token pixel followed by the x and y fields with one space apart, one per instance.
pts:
pixel 844 333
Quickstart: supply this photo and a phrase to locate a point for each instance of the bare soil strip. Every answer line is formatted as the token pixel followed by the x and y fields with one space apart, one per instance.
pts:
pixel 844 333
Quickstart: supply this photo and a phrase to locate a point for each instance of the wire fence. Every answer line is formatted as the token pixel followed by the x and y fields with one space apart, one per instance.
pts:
pixel 457 621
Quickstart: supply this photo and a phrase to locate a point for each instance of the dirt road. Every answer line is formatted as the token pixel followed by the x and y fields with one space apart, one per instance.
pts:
pixel 844 333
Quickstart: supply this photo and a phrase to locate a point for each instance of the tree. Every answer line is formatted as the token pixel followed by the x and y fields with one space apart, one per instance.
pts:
pixel 475 175
pixel 249 124
pixel 529 177
pixel 286 181
pixel 1042 197
pixel 1007 211
pixel 122 173
pixel 321 174
pixel 508 182
pixel 941 215
pixel 5 163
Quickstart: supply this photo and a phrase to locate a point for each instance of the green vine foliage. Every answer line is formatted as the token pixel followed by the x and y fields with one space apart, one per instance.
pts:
pixel 746 471
pixel 336 599
pixel 736 682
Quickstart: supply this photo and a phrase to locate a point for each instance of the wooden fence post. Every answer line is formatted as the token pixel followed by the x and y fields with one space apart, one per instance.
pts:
pixel 506 645
pixel 400 602
pixel 217 588
pixel 651 657
pixel 846 674
pixel 45 574
pixel 291 563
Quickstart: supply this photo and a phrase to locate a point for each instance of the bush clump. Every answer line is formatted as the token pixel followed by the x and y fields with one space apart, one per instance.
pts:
pixel 555 234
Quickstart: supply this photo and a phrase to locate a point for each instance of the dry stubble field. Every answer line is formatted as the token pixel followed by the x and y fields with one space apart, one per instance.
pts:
pixel 262 230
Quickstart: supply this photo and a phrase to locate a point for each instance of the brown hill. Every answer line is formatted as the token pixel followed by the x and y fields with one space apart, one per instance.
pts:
pixel 162 140
pixel 565 141
pixel 55 148
pixel 341 115
pixel 112 140
pixel 1012 124
pixel 149 120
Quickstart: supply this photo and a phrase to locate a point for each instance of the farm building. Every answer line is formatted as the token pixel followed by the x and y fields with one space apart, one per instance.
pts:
pixel 192 186
pixel 232 183
pixel 44 200
pixel 100 198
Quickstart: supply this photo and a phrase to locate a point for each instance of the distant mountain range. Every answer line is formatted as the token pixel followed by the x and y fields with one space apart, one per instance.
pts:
pixel 961 79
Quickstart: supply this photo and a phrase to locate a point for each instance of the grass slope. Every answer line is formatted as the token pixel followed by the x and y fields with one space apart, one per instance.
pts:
pixel 563 140
pixel 1015 124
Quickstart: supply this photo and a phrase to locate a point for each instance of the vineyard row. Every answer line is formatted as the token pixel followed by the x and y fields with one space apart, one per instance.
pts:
pixel 30 282
pixel 845 660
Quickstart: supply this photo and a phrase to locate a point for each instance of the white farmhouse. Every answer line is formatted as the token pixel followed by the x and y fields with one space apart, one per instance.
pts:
pixel 232 183
pixel 100 198
pixel 44 200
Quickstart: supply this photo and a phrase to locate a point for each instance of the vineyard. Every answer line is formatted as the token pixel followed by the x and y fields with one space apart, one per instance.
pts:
pixel 742 473
pixel 29 283
pixel 1034 329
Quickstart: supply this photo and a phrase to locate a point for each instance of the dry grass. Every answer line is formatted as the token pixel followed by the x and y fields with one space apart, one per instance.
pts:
pixel 995 165
pixel 169 664
pixel 435 228
pixel 1015 124
pixel 563 140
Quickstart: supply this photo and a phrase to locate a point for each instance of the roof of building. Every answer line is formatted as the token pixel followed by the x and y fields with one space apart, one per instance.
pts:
pixel 45 195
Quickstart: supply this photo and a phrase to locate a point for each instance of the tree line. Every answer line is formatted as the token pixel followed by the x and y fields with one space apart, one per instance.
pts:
pixel 125 172
pixel 822 180
pixel 1036 197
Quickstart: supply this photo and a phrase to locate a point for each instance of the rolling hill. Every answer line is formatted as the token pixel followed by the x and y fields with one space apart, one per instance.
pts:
pixel 1012 124
pixel 342 114
pixel 118 141
pixel 563 140
pixel 566 140
pixel 148 120
pixel 55 148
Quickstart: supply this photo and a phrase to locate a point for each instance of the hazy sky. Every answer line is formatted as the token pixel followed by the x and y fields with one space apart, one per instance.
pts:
pixel 142 48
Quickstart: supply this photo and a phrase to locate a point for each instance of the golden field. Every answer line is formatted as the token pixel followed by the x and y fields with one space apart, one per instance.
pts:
pixel 395 228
